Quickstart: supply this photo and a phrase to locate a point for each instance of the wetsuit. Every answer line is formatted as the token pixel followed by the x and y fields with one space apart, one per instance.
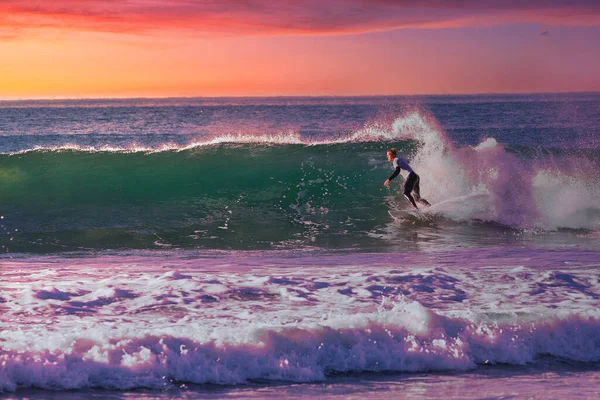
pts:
pixel 411 185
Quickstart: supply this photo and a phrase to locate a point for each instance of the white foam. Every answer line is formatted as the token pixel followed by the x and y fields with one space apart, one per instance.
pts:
pixel 129 323
pixel 409 337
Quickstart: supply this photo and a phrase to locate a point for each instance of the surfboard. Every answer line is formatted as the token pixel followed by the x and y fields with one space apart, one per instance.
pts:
pixel 404 214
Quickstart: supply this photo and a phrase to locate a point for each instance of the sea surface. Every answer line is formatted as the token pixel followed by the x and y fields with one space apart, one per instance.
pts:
pixel 247 248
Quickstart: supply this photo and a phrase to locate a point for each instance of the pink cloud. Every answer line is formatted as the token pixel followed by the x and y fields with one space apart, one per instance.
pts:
pixel 285 17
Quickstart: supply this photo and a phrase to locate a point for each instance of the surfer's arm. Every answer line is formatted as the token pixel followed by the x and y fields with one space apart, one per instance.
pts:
pixel 394 174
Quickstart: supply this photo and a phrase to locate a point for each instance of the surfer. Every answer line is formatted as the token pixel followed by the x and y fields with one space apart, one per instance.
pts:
pixel 411 185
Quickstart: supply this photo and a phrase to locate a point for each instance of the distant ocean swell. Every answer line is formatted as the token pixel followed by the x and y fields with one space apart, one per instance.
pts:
pixel 408 337
pixel 263 192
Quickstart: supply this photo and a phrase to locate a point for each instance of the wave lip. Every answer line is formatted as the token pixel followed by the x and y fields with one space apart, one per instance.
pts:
pixel 408 338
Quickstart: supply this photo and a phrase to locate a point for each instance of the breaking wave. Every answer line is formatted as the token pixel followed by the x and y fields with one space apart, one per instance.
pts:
pixel 264 191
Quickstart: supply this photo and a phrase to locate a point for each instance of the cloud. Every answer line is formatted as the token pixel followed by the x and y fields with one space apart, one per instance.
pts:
pixel 285 17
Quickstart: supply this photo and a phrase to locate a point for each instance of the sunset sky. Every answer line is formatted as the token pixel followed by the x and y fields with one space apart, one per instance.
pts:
pixel 151 48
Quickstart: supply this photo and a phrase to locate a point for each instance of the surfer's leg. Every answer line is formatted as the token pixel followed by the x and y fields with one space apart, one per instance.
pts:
pixel 408 188
pixel 412 201
pixel 417 193
pixel 416 190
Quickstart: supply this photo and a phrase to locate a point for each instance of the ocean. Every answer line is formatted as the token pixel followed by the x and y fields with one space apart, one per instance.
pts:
pixel 247 248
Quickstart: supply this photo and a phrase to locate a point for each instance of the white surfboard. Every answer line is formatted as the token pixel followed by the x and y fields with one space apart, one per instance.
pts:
pixel 404 214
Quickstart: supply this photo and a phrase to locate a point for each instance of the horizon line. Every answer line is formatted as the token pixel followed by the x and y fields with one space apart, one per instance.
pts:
pixel 109 98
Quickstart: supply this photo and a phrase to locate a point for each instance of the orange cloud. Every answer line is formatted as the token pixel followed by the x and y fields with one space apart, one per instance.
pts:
pixel 284 17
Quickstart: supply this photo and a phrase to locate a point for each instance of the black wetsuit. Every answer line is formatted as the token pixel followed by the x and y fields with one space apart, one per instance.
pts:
pixel 411 185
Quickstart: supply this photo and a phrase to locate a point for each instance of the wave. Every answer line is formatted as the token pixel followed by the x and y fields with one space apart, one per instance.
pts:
pixel 371 133
pixel 408 337
pixel 264 191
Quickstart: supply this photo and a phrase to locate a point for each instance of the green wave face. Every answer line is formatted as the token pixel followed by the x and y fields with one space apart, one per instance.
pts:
pixel 281 196
pixel 231 196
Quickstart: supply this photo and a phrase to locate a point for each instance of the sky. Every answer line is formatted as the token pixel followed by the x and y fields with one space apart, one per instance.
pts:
pixel 181 48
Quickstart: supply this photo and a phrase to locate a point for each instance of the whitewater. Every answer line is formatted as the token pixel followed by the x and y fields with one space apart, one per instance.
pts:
pixel 208 248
